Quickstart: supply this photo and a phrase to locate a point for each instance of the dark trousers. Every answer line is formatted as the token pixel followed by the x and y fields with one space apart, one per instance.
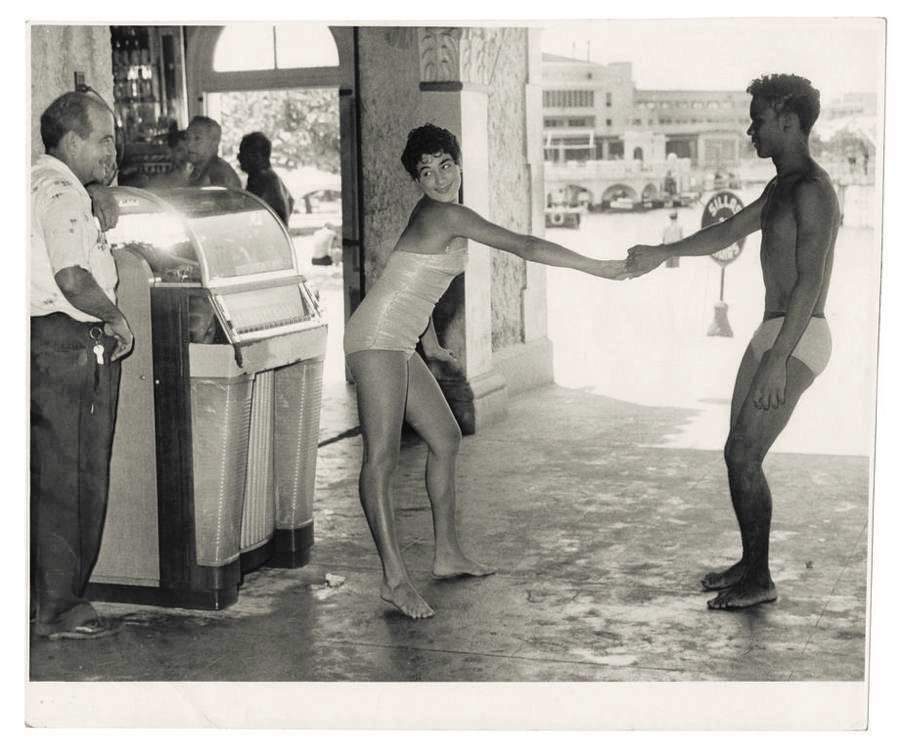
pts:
pixel 73 412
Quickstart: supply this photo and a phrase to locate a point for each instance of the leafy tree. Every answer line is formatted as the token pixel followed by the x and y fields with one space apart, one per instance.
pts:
pixel 303 125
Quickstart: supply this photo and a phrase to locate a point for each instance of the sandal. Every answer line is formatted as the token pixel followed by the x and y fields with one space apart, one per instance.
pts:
pixel 95 628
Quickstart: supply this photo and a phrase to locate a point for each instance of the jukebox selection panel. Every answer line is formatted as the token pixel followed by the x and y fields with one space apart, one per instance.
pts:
pixel 263 312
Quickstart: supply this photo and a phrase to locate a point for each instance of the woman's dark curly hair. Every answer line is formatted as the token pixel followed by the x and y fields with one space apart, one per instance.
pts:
pixel 428 139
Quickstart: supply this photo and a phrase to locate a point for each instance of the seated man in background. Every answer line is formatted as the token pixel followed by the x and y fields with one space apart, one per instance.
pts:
pixel 202 140
pixel 326 246
pixel 254 156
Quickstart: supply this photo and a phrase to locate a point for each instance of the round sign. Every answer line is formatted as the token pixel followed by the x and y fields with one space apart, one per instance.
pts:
pixel 723 205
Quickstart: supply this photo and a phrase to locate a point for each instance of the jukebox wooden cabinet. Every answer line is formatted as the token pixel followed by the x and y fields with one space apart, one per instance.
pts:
pixel 214 455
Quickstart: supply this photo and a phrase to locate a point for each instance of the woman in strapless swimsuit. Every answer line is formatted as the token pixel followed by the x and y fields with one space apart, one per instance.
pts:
pixel 392 380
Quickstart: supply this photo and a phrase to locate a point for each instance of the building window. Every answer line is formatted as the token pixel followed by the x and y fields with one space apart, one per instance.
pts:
pixel 609 99
pixel 616 150
pixel 608 123
pixel 552 122
pixel 721 151
pixel 581 122
pixel 636 121
pixel 569 98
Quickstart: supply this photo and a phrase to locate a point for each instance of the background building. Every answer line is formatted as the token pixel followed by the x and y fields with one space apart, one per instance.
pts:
pixel 594 111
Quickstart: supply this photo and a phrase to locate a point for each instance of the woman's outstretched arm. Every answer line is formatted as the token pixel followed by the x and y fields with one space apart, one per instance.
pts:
pixel 463 222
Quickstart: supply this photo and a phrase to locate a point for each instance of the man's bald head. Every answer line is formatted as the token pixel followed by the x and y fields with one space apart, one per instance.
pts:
pixel 67 113
pixel 202 139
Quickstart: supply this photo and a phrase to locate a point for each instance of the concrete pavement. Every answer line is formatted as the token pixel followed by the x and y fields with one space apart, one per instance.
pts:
pixel 600 534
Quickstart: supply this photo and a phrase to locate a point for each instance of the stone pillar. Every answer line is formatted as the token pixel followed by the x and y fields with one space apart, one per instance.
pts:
pixel 451 69
pixel 530 363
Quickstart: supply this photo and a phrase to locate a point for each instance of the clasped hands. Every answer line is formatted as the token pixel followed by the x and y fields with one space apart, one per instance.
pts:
pixel 641 260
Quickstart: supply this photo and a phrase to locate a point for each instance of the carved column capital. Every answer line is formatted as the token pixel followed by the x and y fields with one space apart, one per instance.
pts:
pixel 439 59
pixel 462 56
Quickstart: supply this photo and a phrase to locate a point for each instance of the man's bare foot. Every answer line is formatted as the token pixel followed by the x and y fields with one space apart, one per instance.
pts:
pixel 406 599
pixel 716 580
pixel 744 594
pixel 456 564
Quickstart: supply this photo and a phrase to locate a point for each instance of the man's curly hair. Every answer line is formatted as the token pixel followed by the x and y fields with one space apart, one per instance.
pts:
pixel 428 139
pixel 788 93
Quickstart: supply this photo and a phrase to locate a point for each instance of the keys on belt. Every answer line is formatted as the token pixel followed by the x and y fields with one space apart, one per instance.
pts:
pixel 97 336
pixel 99 349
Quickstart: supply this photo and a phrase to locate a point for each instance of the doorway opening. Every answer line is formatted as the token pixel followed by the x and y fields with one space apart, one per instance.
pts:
pixel 303 125
pixel 296 82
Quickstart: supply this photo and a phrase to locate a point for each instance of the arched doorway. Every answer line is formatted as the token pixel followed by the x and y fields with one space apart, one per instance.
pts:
pixel 234 74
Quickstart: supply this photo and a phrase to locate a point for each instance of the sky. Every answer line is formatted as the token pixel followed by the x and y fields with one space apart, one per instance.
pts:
pixel 837 55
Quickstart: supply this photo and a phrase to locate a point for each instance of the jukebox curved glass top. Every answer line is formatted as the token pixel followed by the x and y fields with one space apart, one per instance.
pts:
pixel 209 235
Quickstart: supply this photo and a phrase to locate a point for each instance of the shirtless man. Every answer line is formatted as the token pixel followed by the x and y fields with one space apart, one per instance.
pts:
pixel 799 216
pixel 254 156
pixel 202 141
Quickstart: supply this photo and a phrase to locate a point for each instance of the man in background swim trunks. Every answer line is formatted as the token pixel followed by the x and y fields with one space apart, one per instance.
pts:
pixel 799 216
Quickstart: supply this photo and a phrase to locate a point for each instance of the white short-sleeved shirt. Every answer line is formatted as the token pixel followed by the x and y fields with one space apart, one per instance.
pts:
pixel 64 233
pixel 323 240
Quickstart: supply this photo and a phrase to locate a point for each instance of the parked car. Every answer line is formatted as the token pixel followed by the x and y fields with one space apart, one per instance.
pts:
pixel 563 216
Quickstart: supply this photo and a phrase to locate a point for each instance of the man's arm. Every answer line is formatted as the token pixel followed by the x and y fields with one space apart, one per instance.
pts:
pixel 812 213
pixel 104 205
pixel 274 195
pixel 644 258
pixel 81 289
pixel 230 178
pixel 221 174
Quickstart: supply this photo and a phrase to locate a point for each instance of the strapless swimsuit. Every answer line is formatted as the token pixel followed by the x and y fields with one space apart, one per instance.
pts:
pixel 395 312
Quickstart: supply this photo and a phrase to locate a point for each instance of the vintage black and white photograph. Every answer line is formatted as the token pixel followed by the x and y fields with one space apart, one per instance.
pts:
pixel 378 355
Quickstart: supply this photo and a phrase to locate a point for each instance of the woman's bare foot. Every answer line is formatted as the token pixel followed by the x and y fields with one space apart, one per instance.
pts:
pixel 406 599
pixel 451 565
pixel 744 594
pixel 716 580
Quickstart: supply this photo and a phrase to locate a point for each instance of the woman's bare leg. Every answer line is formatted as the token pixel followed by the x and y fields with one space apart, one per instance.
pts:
pixel 381 386
pixel 428 413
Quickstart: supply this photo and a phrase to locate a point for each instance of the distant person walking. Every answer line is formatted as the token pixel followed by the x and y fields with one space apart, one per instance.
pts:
pixel 672 234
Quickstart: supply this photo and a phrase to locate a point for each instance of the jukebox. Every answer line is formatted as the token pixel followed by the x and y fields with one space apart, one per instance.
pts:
pixel 214 455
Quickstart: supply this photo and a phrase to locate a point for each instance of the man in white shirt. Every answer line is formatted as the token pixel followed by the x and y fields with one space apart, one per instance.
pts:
pixel 672 234
pixel 78 335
